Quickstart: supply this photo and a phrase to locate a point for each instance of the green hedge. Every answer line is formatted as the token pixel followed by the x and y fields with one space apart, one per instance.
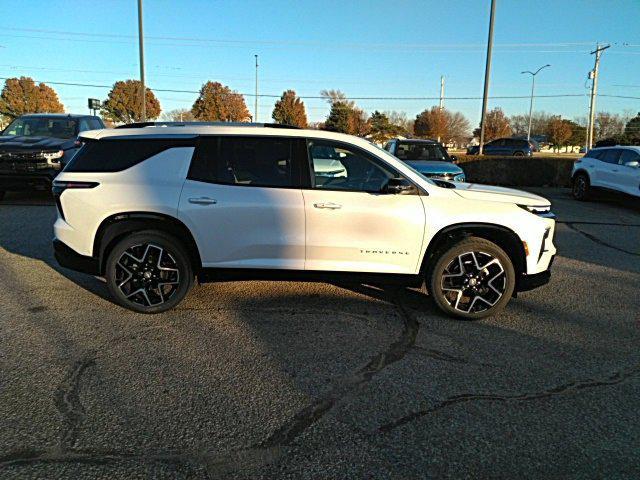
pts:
pixel 543 171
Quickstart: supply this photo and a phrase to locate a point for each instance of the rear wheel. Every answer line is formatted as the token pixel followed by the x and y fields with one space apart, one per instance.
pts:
pixel 581 188
pixel 518 154
pixel 149 272
pixel 473 279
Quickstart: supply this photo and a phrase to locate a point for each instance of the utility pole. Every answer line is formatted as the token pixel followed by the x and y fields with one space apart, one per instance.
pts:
pixel 533 86
pixel 255 111
pixel 594 93
pixel 441 92
pixel 487 75
pixel 141 49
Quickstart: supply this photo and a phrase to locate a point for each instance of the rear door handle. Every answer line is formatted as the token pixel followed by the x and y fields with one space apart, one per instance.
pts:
pixel 328 205
pixel 203 201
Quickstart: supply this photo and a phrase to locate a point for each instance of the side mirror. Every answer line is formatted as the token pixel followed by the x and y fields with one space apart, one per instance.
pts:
pixel 454 159
pixel 633 164
pixel 400 186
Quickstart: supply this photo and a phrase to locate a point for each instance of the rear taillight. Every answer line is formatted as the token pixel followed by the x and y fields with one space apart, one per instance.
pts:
pixel 60 186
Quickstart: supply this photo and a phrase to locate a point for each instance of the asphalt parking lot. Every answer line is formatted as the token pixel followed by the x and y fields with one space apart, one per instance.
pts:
pixel 312 380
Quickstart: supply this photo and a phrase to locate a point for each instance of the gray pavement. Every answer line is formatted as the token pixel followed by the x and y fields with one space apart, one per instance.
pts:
pixel 312 380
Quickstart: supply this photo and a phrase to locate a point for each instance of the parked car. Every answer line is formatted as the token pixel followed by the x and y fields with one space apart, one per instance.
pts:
pixel 428 157
pixel 34 148
pixel 151 208
pixel 612 168
pixel 503 146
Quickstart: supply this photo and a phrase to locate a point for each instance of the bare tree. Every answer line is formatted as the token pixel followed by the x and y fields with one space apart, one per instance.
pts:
pixel 178 115
pixel 608 125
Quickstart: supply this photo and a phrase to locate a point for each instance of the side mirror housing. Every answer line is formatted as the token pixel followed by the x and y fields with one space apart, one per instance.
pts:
pixel 400 186
pixel 633 164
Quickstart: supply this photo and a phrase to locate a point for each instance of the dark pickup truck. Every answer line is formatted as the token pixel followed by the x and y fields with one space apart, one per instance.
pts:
pixel 35 147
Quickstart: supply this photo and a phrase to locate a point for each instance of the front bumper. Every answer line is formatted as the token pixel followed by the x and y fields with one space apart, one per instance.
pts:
pixel 535 280
pixel 69 258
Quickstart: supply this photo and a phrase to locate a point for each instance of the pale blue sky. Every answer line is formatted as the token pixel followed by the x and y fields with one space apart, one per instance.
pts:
pixel 372 48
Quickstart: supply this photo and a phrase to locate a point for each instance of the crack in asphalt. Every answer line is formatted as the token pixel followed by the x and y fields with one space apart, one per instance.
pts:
pixel 595 239
pixel 611 224
pixel 445 357
pixel 314 411
pixel 67 400
pixel 567 388
pixel 267 451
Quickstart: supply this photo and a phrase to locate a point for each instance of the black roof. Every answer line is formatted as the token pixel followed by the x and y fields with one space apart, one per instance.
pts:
pixel 417 140
pixel 58 115
pixel 210 124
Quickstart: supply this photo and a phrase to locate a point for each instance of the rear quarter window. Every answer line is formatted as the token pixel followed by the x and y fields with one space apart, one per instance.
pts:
pixel 118 155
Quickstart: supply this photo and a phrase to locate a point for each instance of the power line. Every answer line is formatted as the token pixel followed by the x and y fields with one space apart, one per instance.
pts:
pixel 320 97
pixel 294 43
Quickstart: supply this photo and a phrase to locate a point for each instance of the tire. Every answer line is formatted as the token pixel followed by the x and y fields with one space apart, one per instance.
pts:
pixel 581 188
pixel 518 154
pixel 149 272
pixel 482 291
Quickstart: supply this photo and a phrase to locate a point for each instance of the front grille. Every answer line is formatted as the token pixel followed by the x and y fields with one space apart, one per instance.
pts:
pixel 442 176
pixel 23 161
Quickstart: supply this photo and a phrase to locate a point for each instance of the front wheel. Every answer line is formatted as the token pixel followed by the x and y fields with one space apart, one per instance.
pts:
pixel 149 272
pixel 473 279
pixel 581 188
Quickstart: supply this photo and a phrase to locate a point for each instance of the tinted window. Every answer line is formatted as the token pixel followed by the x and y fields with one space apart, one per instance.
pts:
pixel 420 151
pixel 117 155
pixel 57 127
pixel 629 156
pixel 610 155
pixel 250 161
pixel 339 167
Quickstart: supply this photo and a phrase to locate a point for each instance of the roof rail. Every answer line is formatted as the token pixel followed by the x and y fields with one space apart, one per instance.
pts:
pixel 208 124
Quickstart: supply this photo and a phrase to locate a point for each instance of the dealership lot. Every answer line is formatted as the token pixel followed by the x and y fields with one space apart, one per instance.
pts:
pixel 312 380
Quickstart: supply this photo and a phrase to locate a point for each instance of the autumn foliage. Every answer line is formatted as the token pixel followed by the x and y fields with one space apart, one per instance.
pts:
pixel 218 103
pixel 124 103
pixel 496 125
pixel 289 110
pixel 22 95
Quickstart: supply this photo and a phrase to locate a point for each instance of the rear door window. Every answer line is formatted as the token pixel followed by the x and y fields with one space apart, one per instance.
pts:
pixel 610 155
pixel 117 155
pixel 250 161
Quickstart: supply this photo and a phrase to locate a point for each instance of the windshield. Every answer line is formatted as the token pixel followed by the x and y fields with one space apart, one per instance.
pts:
pixel 421 151
pixel 42 127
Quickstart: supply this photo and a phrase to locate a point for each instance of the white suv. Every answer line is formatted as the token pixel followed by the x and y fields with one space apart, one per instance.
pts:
pixel 151 208
pixel 612 168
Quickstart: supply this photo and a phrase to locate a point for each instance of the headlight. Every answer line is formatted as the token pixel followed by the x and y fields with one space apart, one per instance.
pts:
pixel 53 158
pixel 543 211
pixel 459 178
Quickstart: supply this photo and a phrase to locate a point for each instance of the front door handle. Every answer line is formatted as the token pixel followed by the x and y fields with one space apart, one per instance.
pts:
pixel 203 201
pixel 329 205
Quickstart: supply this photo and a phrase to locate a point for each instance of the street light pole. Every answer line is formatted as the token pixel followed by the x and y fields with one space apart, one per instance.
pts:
pixel 255 111
pixel 141 49
pixel 487 75
pixel 533 86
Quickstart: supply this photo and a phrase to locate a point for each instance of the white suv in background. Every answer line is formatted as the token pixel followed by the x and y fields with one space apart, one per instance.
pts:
pixel 151 208
pixel 613 168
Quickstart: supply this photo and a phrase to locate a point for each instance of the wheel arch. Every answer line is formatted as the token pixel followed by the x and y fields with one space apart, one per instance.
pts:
pixel 502 236
pixel 581 171
pixel 115 227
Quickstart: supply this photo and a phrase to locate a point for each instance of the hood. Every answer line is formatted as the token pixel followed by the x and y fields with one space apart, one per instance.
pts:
pixel 434 166
pixel 16 142
pixel 474 191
